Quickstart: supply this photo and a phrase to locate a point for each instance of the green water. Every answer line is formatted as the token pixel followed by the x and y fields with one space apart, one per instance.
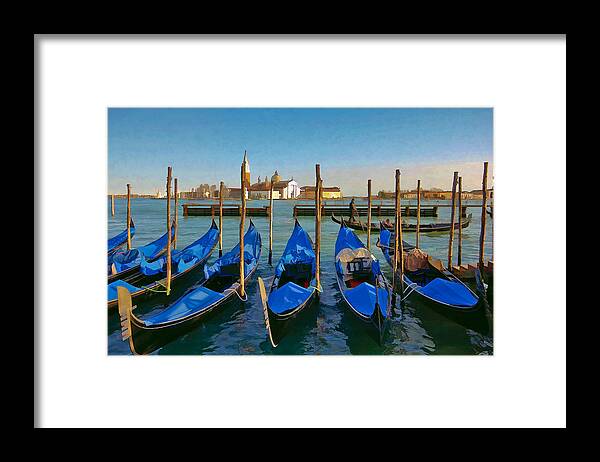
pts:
pixel 327 327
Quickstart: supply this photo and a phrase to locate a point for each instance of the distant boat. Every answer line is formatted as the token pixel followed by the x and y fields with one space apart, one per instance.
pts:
pixel 406 227
pixel 293 287
pixel 221 283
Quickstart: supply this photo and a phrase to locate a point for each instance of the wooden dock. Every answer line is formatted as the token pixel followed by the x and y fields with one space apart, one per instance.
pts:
pixel 376 210
pixel 195 210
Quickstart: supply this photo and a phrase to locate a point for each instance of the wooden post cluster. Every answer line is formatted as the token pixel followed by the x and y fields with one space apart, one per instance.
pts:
pixel 168 284
pixel 452 220
pixel 460 222
pixel 221 189
pixel 271 224
pixel 112 205
pixel 418 212
pixel 369 215
pixel 176 220
pixel 483 208
pixel 318 184
pixel 128 216
pixel 242 223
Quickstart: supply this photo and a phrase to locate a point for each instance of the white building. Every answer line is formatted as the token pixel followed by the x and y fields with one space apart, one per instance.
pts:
pixel 288 189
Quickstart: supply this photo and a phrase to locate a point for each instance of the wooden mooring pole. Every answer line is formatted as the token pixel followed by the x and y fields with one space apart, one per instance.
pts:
pixel 452 221
pixel 221 189
pixel 398 261
pixel 112 205
pixel 460 222
pixel 168 283
pixel 369 215
pixel 399 239
pixel 418 212
pixel 483 213
pixel 242 223
pixel 318 184
pixel 128 216
pixel 176 213
pixel 271 224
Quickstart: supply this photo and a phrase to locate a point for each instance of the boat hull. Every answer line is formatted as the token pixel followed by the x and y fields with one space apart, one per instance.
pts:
pixel 280 324
pixel 146 339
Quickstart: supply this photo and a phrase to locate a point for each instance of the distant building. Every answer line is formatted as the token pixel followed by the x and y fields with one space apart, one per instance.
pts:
pixel 275 178
pixel 234 193
pixel 287 189
pixel 246 171
pixel 331 192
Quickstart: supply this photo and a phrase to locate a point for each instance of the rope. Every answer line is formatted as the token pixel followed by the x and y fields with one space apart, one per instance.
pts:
pixel 242 299
pixel 413 286
pixel 154 290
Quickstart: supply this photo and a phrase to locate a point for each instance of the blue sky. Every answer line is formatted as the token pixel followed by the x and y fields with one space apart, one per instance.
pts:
pixel 352 145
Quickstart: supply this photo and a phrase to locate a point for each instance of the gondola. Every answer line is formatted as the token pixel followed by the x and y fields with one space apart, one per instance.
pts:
pixel 115 242
pixel 150 278
pixel 220 284
pixel 406 227
pixel 427 278
pixel 362 284
pixel 293 287
pixel 125 263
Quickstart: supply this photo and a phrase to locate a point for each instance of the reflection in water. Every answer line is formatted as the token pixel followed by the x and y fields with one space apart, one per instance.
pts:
pixel 327 327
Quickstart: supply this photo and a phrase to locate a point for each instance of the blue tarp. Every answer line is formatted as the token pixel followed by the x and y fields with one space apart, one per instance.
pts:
pixel 120 238
pixel 194 302
pixel 347 239
pixel 112 289
pixel 362 298
pixel 288 297
pixel 449 292
pixel 299 249
pixel 252 242
pixel 126 259
pixel 182 259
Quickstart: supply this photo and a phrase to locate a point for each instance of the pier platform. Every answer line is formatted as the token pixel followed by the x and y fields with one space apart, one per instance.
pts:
pixel 228 210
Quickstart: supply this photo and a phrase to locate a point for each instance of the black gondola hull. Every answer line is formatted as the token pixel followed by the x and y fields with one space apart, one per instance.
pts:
pixel 280 325
pixel 406 227
pixel 147 339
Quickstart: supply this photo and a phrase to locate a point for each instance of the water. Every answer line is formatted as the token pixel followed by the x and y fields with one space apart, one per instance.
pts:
pixel 327 327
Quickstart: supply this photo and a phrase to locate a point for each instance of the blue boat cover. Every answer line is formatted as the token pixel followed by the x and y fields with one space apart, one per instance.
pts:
pixel 126 259
pixel 194 302
pixel 182 259
pixel 112 288
pixel 299 249
pixel 288 297
pixel 449 292
pixel 362 299
pixel 252 243
pixel 120 238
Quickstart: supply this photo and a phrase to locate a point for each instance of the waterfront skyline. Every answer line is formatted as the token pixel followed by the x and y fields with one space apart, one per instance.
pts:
pixel 352 145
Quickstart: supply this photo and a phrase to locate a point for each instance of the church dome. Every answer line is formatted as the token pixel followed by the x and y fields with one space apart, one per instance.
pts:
pixel 275 178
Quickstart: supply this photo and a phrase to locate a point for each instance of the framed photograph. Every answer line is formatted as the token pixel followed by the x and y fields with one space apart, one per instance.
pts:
pixel 249 218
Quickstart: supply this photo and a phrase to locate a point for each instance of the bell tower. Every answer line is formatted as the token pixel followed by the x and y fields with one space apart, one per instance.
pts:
pixel 246 171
